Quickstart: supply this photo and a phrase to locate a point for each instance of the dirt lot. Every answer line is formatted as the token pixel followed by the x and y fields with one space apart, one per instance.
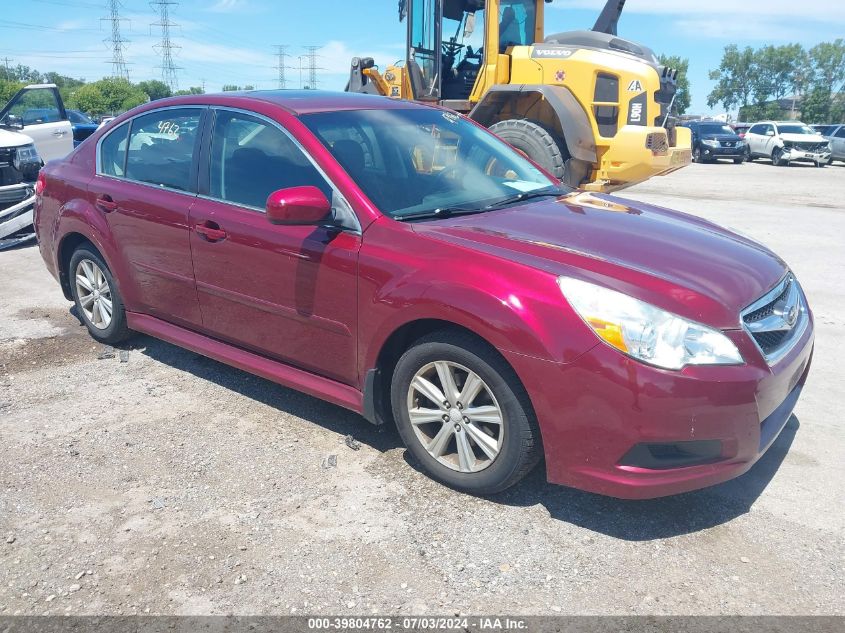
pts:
pixel 152 480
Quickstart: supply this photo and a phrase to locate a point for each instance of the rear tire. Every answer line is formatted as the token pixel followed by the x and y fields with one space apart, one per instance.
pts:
pixel 749 157
pixel 504 452
pixel 541 144
pixel 96 296
pixel 739 161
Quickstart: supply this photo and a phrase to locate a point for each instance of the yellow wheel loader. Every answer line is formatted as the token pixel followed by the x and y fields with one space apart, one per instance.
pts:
pixel 590 107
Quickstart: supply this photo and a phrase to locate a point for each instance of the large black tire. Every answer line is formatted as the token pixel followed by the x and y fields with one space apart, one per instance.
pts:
pixel 520 447
pixel 541 144
pixel 777 157
pixel 116 331
pixel 739 161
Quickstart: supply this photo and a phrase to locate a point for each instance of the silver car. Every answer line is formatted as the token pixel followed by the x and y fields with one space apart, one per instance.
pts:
pixel 787 141
pixel 836 135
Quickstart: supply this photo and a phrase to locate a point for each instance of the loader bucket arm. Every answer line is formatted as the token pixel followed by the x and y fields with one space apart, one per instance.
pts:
pixel 608 19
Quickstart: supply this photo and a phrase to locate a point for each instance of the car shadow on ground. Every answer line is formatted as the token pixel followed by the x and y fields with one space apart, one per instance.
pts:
pixel 655 518
pixel 623 519
pixel 325 414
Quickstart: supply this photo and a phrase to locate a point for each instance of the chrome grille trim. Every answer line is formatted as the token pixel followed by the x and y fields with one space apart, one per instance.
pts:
pixel 766 320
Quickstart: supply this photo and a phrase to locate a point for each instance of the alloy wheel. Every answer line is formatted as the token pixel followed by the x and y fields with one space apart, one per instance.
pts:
pixel 94 294
pixel 455 416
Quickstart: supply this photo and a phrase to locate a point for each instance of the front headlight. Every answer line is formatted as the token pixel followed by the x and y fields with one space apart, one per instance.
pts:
pixel 646 332
pixel 25 155
pixel 710 142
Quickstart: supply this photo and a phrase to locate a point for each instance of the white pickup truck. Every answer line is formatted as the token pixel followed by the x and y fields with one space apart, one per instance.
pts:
pixel 34 128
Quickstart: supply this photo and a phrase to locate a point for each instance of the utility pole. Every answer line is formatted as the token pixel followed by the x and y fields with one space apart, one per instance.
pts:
pixel 281 65
pixel 165 46
pixel 116 42
pixel 6 61
pixel 311 56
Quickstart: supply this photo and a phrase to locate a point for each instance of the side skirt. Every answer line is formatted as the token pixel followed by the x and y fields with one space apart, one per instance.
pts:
pixel 317 386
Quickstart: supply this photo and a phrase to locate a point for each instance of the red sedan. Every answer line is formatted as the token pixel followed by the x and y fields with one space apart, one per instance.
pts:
pixel 401 261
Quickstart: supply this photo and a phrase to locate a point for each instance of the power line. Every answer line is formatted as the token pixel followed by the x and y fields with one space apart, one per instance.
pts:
pixel 116 42
pixel 311 66
pixel 281 65
pixel 166 46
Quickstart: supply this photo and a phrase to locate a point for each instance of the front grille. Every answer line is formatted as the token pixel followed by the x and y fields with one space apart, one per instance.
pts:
pixel 777 320
pixel 7 155
pixel 768 309
pixel 808 146
pixel 728 143
pixel 769 341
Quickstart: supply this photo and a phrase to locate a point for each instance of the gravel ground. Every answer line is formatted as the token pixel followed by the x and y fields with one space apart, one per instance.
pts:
pixel 152 480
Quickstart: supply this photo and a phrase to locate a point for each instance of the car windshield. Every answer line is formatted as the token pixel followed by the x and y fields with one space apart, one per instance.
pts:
pixel 825 130
pixel 715 128
pixel 423 161
pixel 796 129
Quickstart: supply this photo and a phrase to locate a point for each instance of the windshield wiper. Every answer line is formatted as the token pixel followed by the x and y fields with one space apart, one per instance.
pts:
pixel 528 195
pixel 443 212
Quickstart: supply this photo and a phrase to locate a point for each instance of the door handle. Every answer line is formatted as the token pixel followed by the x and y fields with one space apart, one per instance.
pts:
pixel 59 133
pixel 106 204
pixel 210 231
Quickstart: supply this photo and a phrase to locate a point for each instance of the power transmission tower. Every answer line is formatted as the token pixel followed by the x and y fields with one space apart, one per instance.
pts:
pixel 281 64
pixel 116 42
pixel 311 66
pixel 166 46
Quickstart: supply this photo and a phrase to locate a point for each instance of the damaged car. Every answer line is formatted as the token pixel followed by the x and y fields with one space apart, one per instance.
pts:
pixel 34 128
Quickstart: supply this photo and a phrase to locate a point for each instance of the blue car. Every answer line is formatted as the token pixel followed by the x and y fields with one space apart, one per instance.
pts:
pixel 82 125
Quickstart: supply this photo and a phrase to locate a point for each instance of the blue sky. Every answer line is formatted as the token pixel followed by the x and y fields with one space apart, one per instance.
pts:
pixel 232 41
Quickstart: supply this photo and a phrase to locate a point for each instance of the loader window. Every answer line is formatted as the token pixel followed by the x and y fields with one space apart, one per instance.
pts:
pixel 424 49
pixel 517 21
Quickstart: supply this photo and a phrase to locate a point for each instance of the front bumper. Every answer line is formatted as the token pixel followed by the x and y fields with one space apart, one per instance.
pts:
pixel 722 152
pixel 595 411
pixel 793 154
pixel 637 153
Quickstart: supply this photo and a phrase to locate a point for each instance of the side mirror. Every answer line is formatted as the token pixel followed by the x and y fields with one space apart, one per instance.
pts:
pixel 770 132
pixel 298 205
pixel 12 122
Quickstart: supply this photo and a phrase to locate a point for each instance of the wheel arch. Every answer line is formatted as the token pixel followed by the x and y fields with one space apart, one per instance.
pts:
pixel 376 392
pixel 554 106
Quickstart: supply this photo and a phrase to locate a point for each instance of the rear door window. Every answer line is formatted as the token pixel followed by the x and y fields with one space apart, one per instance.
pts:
pixel 113 152
pixel 161 147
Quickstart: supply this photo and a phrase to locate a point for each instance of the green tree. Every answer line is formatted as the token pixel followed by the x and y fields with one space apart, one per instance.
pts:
pixel 735 78
pixel 111 95
pixel 682 96
pixel 155 89
pixel 230 88
pixel 823 102
pixel 8 90
pixel 193 90
pixel 776 71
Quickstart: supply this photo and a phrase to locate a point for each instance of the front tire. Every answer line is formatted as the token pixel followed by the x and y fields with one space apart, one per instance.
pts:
pixel 98 301
pixel 541 144
pixel 463 414
pixel 777 157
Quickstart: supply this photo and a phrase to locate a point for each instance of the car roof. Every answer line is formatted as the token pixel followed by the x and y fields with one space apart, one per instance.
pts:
pixel 296 101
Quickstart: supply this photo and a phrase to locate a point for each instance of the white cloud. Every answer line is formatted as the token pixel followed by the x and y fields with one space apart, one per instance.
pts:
pixel 228 6
pixel 335 57
pixel 821 10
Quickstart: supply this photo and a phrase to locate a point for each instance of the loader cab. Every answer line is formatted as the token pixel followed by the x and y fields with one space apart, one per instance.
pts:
pixel 450 41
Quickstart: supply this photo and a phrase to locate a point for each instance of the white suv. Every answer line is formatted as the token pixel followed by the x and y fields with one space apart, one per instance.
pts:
pixel 787 141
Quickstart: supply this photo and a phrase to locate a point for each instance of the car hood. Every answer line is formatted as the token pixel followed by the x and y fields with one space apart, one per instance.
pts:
pixel 14 139
pixel 678 262
pixel 804 138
